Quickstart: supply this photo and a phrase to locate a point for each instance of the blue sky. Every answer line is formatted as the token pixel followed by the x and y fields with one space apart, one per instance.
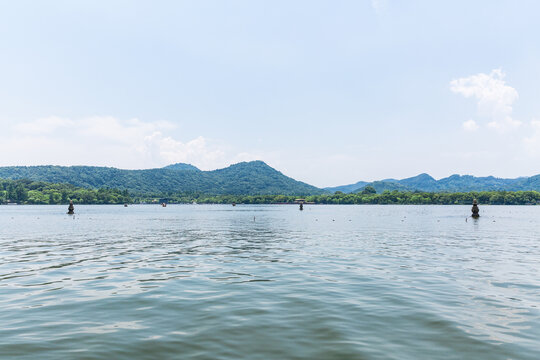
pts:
pixel 328 92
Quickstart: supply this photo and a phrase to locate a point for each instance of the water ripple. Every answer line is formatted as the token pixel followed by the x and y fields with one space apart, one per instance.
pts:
pixel 208 282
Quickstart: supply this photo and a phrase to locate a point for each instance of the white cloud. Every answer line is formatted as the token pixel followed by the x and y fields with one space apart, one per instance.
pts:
pixel 107 141
pixel 44 125
pixel 494 98
pixel 504 124
pixel 378 5
pixel 166 150
pixel 470 125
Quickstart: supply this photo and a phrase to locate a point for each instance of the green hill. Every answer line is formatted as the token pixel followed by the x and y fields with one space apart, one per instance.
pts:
pixel 246 178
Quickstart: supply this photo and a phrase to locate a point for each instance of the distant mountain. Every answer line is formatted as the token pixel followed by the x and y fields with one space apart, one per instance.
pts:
pixel 246 178
pixel 347 188
pixel 418 181
pixel 532 182
pixel 181 166
pixel 453 183
pixel 381 186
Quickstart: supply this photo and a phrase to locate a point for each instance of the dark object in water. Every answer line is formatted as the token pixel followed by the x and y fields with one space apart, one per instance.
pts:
pixel 164 204
pixel 71 208
pixel 301 206
pixel 233 204
pixel 475 210
pixel 125 205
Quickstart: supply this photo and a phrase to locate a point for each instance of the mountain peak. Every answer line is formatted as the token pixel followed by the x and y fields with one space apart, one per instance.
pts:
pixel 423 176
pixel 418 180
pixel 251 164
pixel 181 166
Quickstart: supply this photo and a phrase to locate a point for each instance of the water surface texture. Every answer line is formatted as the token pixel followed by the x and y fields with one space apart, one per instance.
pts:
pixel 269 282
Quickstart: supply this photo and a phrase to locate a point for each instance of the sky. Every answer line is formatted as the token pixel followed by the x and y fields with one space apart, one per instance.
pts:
pixel 327 92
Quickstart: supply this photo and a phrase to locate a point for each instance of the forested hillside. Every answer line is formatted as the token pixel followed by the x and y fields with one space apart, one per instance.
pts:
pixel 247 178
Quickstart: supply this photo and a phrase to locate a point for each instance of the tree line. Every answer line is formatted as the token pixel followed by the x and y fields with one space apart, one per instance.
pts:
pixel 38 192
pixel 367 196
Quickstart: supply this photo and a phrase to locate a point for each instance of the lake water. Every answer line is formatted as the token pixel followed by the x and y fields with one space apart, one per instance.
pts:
pixel 269 282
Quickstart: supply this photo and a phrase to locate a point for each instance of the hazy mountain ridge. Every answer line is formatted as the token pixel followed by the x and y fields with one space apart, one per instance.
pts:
pixel 452 183
pixel 247 178
pixel 347 188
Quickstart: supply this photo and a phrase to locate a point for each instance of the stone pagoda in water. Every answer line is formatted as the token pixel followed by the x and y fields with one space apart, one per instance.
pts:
pixel 475 210
pixel 71 208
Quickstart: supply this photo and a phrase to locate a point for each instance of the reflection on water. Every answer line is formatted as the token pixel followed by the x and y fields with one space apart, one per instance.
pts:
pixel 269 282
